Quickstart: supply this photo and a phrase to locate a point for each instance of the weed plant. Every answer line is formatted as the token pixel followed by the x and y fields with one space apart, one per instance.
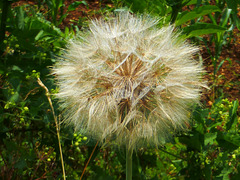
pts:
pixel 30 41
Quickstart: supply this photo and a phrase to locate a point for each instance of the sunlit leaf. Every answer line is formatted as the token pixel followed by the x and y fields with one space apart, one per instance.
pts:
pixel 209 138
pixel 199 29
pixel 195 13
pixel 233 120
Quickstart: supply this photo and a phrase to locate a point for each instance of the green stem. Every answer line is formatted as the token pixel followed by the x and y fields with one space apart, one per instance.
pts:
pixel 128 164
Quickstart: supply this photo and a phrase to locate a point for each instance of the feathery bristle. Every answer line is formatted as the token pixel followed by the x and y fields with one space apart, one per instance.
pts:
pixel 128 82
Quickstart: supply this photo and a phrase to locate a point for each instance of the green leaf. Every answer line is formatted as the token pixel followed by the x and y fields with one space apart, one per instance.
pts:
pixel 193 141
pixel 225 173
pixel 137 6
pixel 225 17
pixel 229 141
pixel 199 29
pixel 209 138
pixel 74 5
pixel 191 2
pixel 199 116
pixel 66 32
pixel 39 35
pixel 219 66
pixel 20 18
pixel 16 68
pixel 15 96
pixel 197 12
pixel 233 120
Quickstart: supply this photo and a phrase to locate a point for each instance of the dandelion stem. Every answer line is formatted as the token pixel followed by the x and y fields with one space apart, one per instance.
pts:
pixel 56 123
pixel 128 164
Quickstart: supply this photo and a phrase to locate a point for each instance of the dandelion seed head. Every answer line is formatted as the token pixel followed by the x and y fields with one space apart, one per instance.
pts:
pixel 129 82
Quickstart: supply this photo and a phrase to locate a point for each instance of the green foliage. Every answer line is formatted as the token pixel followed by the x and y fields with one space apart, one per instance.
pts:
pixel 56 8
pixel 159 7
pixel 213 142
pixel 28 140
pixel 195 13
pixel 198 29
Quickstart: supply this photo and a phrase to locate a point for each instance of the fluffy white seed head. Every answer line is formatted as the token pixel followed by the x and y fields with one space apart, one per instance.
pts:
pixel 128 82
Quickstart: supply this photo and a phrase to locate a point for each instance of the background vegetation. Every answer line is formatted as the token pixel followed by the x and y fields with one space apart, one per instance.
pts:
pixel 31 37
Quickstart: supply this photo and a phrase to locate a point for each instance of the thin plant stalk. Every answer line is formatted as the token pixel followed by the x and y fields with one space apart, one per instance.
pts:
pixel 128 164
pixel 56 123
pixel 88 160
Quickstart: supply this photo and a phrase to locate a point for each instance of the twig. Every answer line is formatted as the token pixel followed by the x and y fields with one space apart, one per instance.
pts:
pixel 176 156
pixel 30 93
pixel 56 122
pixel 88 160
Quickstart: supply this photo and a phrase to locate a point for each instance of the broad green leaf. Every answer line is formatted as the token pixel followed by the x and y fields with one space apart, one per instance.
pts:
pixel 229 141
pixel 42 24
pixel 20 18
pixel 199 116
pixel 199 29
pixel 197 12
pixel 224 175
pixel 209 138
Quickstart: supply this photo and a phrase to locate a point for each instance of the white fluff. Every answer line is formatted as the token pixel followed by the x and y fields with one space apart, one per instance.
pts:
pixel 128 82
